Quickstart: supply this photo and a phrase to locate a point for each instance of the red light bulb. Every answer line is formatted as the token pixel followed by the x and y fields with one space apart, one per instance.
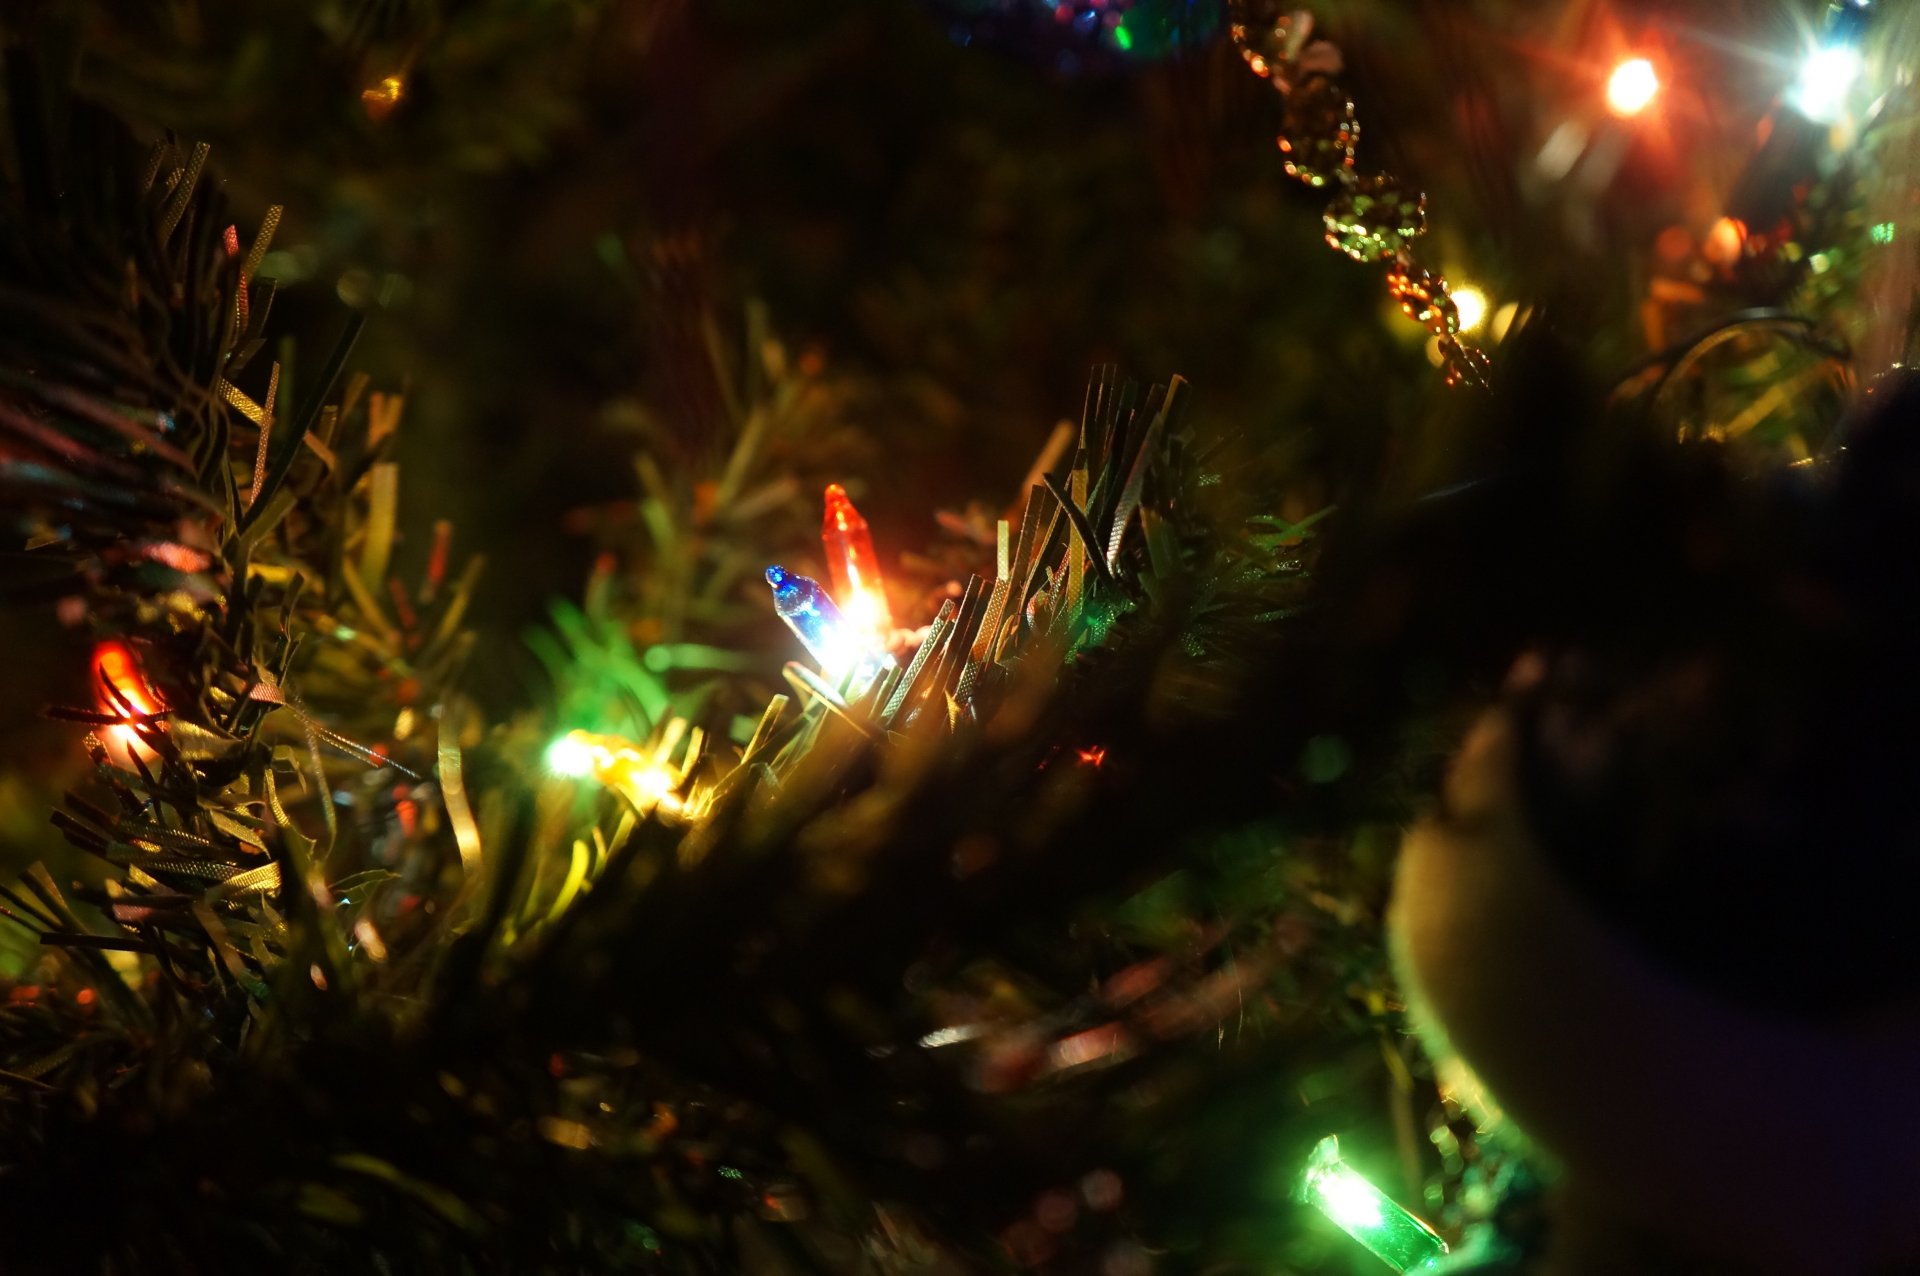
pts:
pixel 852 565
pixel 120 687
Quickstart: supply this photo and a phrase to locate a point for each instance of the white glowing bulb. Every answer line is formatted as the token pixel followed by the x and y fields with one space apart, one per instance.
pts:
pixel 1826 82
pixel 1471 304
pixel 866 613
pixel 1632 86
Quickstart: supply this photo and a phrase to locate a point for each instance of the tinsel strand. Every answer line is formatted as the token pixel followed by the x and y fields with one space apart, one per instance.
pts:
pixel 1372 217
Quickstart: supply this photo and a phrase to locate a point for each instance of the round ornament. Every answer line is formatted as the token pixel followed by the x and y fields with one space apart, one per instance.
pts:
pixel 1662 915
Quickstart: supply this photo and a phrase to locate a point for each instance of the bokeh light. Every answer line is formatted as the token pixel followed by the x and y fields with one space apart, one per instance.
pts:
pixel 1472 306
pixel 1632 87
pixel 1826 82
pixel 571 754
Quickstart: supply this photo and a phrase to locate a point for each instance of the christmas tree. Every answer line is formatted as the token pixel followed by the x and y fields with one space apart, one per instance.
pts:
pixel 610 702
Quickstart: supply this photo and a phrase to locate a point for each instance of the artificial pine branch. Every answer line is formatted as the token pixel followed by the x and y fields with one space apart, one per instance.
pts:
pixel 377 1042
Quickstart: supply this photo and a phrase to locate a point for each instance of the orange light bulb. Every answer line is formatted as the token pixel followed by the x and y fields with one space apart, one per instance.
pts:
pixel 121 689
pixel 1632 87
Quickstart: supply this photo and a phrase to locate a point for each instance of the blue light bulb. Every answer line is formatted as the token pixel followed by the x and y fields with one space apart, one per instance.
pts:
pixel 833 643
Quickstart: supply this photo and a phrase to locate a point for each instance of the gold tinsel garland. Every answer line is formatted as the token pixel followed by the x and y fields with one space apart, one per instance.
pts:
pixel 1371 217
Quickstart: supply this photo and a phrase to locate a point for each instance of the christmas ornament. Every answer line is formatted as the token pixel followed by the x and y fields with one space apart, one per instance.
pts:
pixel 1663 917
pixel 1084 35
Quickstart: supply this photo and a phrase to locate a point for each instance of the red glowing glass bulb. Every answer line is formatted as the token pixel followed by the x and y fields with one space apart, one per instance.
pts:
pixel 122 690
pixel 852 565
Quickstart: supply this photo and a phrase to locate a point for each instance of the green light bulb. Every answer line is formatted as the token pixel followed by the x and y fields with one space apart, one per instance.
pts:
pixel 1367 1214
pixel 570 755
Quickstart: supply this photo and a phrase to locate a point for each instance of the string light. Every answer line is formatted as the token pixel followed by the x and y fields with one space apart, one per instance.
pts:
pixel 572 755
pixel 642 775
pixel 121 689
pixel 1632 87
pixel 845 653
pixel 1725 240
pixel 853 567
pixel 1364 1212
pixel 1826 82
pixel 380 99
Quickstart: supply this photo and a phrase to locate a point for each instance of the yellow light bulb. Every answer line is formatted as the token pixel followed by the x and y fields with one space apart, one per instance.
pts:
pixel 652 785
pixel 1471 304
pixel 642 775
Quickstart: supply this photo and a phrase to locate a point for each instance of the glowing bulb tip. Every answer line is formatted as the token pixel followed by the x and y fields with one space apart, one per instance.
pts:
pixel 570 755
pixel 1632 87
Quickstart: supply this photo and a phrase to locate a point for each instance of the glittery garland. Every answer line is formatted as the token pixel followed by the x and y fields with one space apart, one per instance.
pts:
pixel 1373 217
